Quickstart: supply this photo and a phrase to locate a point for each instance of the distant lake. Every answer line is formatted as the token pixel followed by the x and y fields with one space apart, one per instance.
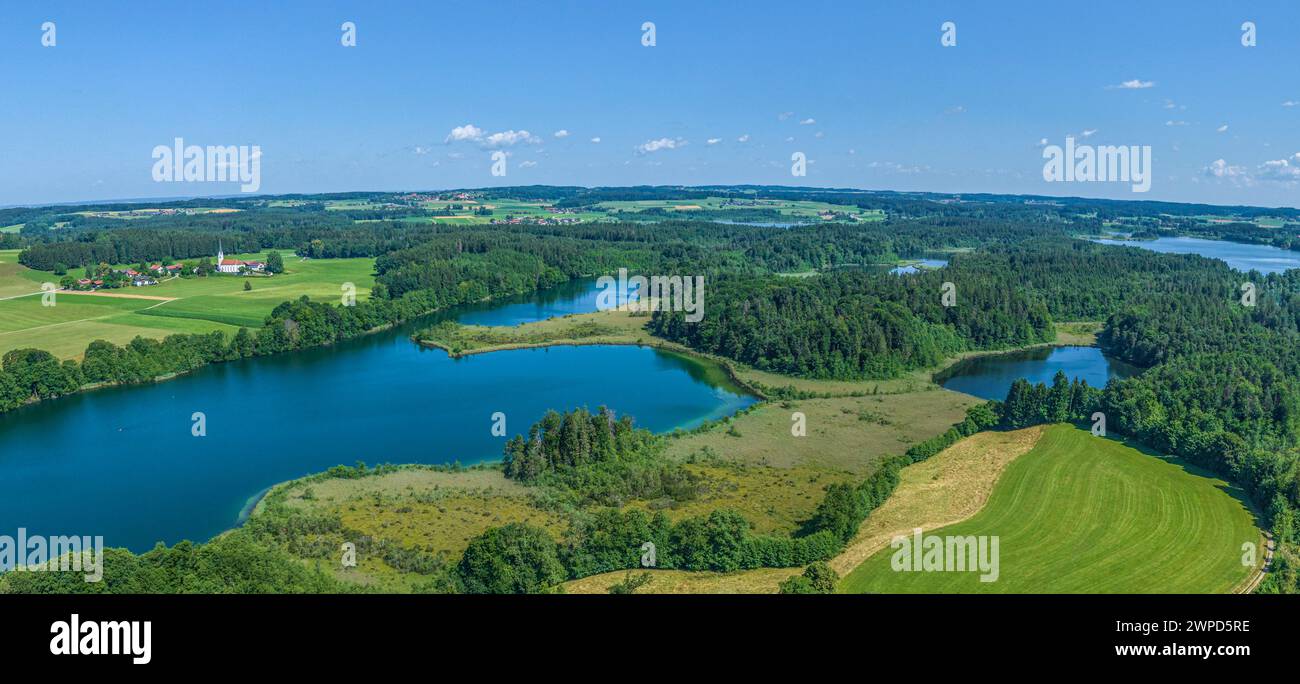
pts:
pixel 1241 256
pixel 921 265
pixel 990 376
pixel 121 462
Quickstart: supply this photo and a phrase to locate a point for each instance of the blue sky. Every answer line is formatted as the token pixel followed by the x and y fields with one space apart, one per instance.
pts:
pixel 863 89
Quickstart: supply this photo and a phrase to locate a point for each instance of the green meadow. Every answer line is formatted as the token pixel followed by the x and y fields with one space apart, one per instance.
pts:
pixel 1082 514
pixel 176 305
pixel 16 279
pixel 222 299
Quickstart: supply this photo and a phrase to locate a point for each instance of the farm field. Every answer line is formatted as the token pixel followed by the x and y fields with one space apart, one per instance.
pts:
pixel 178 305
pixel 66 328
pixel 712 208
pixel 222 299
pixel 16 279
pixel 1080 514
pixel 803 210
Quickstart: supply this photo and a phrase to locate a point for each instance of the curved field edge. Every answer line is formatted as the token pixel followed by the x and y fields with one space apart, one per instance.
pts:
pixel 1081 514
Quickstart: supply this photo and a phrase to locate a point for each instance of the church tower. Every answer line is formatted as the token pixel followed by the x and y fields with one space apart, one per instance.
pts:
pixel 221 255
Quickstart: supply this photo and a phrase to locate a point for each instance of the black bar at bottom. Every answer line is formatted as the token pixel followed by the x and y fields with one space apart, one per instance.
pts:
pixel 373 630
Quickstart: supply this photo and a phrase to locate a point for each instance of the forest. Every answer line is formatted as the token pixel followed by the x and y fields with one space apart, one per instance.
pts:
pixel 1221 386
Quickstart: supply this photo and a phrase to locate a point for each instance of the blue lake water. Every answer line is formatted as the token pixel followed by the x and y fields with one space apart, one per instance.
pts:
pixel 121 462
pixel 989 377
pixel 1241 256
pixel 923 264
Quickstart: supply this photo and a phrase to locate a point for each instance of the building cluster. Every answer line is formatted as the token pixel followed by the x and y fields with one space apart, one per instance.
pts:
pixel 129 276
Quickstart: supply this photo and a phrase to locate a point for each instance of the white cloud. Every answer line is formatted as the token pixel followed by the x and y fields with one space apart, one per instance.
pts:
pixel 1042 142
pixel 527 164
pixel 1175 123
pixel 508 138
pixel 596 139
pixel 784 115
pixel 819 134
pixel 1135 84
pixel 1222 169
pixel 562 133
pixel 466 132
pixel 1290 103
pixel 958 109
pixel 1087 132
pixel 790 139
pixel 743 138
pixel 1222 129
pixel 713 141
pixel 808 122
pixel 472 133
pixel 1286 170
pixel 661 144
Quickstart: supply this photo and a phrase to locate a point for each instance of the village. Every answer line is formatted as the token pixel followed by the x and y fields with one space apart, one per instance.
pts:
pixel 147 275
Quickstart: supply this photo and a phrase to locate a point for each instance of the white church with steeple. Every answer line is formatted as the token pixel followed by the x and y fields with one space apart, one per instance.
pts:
pixel 235 266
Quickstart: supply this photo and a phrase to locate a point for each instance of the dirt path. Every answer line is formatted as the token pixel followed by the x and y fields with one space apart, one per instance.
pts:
pixel 1253 583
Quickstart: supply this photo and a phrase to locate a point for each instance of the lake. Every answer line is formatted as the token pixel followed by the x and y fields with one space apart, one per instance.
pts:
pixel 921 265
pixel 1241 256
pixel 121 462
pixel 990 376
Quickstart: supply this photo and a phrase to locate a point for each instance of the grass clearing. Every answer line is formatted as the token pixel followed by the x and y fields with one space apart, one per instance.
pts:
pixel 774 500
pixel 602 327
pixel 438 512
pixel 850 434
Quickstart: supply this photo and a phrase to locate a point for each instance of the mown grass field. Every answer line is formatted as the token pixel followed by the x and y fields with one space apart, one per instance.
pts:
pixel 1082 514
pixel 66 328
pixel 197 305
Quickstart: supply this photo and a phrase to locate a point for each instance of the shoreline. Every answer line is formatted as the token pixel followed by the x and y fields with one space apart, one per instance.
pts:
pixel 652 343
